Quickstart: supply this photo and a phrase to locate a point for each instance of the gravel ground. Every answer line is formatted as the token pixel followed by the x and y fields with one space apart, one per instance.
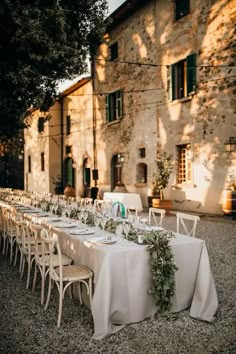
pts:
pixel 26 328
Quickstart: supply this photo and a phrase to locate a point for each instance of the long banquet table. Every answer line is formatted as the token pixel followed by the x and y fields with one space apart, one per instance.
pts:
pixel 122 278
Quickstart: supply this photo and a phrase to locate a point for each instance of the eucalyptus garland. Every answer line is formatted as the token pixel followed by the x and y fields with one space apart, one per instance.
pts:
pixel 163 268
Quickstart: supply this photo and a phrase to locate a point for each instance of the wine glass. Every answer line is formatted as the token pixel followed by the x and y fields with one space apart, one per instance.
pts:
pixel 119 232
pixel 126 228
pixel 103 223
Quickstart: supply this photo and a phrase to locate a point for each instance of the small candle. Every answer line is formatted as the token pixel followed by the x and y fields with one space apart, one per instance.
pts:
pixel 140 239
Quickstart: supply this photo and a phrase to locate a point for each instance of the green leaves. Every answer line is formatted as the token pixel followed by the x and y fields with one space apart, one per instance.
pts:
pixel 163 268
pixel 161 176
pixel 41 43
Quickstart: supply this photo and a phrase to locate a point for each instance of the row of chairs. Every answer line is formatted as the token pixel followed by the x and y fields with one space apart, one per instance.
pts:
pixel 185 223
pixel 39 248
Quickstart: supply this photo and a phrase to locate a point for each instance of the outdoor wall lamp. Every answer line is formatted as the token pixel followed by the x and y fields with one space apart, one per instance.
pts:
pixel 120 158
pixel 230 145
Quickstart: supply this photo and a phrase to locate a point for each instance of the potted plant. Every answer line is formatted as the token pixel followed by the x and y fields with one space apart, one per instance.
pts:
pixel 161 177
pixel 229 197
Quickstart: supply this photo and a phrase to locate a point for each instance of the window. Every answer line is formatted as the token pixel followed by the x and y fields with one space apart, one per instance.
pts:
pixel 68 125
pixel 114 106
pixel 181 80
pixel 114 51
pixel 42 161
pixel 29 164
pixel 142 152
pixel 182 8
pixel 184 163
pixel 40 124
pixel 141 173
pixel 68 149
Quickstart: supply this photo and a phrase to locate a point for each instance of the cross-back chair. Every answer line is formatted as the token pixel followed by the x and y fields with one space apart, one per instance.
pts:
pixel 42 259
pixel 156 215
pixel 187 223
pixel 64 276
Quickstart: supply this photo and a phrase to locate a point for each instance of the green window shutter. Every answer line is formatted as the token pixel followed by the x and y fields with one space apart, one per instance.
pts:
pixel 69 172
pixel 119 104
pixel 191 74
pixel 169 83
pixel 108 111
pixel 173 82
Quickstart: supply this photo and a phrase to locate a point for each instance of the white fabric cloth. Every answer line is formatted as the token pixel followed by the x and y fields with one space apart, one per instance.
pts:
pixel 122 278
pixel 130 200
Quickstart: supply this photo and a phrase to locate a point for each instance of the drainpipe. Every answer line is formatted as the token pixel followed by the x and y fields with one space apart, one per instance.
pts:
pixel 94 118
pixel 62 142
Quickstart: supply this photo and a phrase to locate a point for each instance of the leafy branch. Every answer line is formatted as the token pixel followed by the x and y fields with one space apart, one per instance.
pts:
pixel 163 268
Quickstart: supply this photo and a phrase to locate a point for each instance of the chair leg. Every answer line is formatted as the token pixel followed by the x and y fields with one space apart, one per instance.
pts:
pixel 35 277
pixel 90 290
pixel 60 305
pixel 43 279
pixel 49 293
pixel 16 255
pixel 80 294
pixel 22 267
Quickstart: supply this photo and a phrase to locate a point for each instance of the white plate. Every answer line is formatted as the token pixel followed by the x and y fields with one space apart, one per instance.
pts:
pixel 63 225
pixel 53 219
pixel 101 241
pixel 82 232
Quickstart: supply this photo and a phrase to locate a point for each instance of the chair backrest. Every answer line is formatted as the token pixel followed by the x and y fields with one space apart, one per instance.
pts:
pixel 132 211
pixel 50 242
pixel 157 215
pixel 187 222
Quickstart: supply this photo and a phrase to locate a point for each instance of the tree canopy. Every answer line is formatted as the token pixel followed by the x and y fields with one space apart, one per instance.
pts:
pixel 43 41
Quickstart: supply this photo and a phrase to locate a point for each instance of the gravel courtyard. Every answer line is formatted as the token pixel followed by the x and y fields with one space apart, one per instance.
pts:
pixel 26 328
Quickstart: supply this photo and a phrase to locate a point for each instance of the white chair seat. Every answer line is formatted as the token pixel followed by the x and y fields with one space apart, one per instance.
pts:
pixel 74 272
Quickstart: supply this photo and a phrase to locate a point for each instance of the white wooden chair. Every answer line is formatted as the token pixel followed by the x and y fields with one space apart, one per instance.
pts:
pixel 64 276
pixel 187 223
pixel 157 215
pixel 42 259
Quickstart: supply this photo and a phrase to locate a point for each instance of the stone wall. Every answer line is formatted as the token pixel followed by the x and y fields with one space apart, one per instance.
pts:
pixel 205 120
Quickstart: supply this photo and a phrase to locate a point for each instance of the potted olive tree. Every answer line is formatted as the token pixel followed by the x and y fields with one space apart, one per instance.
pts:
pixel 161 177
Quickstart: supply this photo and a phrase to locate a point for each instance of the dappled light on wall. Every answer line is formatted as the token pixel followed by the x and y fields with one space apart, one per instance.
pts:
pixel 141 46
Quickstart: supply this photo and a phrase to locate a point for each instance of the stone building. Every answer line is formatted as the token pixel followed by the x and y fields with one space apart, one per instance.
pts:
pixel 164 79
pixel 59 150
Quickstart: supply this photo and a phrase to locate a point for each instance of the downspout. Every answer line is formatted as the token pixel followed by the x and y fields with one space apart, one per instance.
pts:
pixel 94 118
pixel 62 142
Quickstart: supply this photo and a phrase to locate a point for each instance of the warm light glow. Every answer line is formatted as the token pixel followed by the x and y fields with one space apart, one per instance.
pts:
pixel 141 46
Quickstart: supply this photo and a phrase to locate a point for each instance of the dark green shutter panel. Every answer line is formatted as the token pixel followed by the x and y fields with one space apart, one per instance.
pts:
pixel 87 176
pixel 191 74
pixel 173 82
pixel 107 108
pixel 119 102
pixel 169 83
pixel 69 172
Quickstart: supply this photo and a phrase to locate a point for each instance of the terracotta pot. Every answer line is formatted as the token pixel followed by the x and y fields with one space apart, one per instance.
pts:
pixel 229 202
pixel 162 204
pixel 69 191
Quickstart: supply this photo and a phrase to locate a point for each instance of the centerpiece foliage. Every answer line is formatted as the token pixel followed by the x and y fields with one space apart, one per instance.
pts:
pixel 163 268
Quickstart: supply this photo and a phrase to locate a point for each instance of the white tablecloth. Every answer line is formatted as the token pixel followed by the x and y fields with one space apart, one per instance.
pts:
pixel 130 200
pixel 122 278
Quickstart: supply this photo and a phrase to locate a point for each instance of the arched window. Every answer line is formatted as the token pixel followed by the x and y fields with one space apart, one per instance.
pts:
pixel 141 173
